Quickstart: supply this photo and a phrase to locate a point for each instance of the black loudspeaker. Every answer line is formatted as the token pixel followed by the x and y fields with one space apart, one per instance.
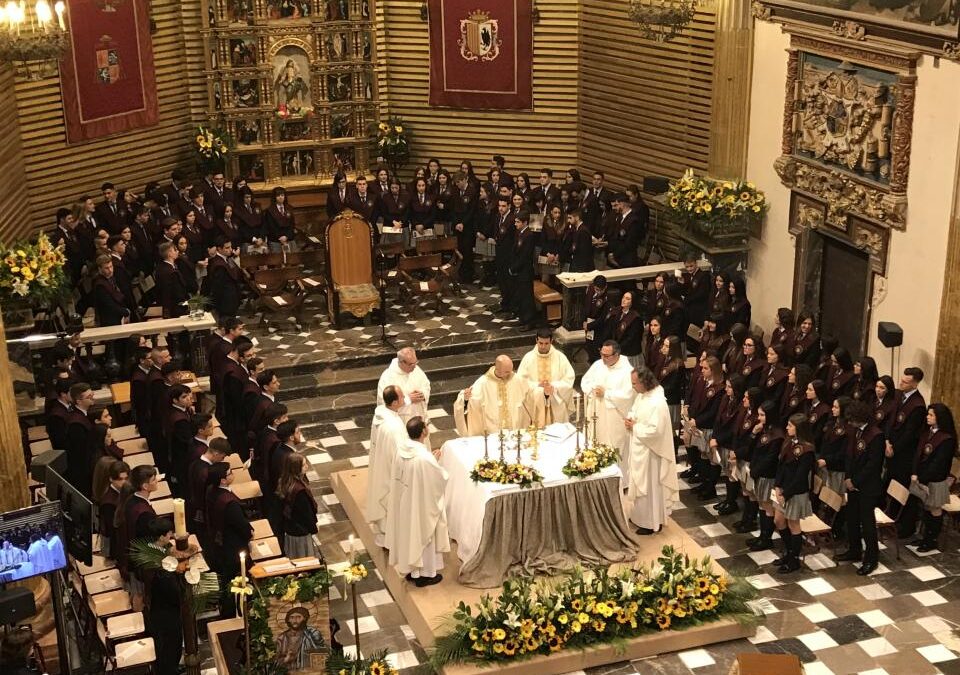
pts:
pixel 655 185
pixel 55 459
pixel 890 334
pixel 16 604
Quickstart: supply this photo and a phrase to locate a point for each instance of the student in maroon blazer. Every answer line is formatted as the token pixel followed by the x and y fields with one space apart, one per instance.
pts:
pixel 226 280
pixel 171 286
pixel 362 201
pixel 178 431
pixel 218 195
pixel 248 215
pixel 338 196
pixel 228 227
pixel 59 413
pixel 394 206
pixel 279 223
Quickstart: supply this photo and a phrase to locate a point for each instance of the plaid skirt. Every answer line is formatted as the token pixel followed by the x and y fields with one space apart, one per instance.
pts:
pixel 833 480
pixel 938 496
pixel 299 547
pixel 797 507
pixel 763 489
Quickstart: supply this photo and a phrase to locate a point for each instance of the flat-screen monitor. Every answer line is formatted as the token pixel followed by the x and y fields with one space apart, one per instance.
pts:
pixel 31 542
pixel 77 516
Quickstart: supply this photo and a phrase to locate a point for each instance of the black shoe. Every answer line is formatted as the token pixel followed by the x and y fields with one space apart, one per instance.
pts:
pixel 927 546
pixel 644 531
pixel 848 556
pixel 428 581
pixel 726 508
pixel 688 474
pixel 695 480
pixel 866 568
pixel 759 544
pixel 790 564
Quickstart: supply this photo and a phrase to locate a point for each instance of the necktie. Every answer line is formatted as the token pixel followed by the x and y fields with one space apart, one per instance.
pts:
pixel 280 209
pixel 113 207
pixel 421 199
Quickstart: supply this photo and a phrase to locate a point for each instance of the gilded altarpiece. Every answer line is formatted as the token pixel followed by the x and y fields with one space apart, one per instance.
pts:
pixel 292 82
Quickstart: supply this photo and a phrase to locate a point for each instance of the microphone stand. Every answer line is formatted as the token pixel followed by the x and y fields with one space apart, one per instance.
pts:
pixel 384 338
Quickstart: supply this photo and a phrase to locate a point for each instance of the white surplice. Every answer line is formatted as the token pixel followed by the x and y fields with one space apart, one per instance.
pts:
pixel 555 368
pixel 652 484
pixel 612 408
pixel 408 383
pixel 417 521
pixel 387 433
pixel 494 404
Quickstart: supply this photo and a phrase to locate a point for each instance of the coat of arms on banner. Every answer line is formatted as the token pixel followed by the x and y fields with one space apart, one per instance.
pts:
pixel 479 38
pixel 107 61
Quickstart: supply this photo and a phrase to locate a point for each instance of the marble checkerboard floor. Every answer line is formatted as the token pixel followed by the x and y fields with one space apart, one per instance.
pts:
pixel 901 619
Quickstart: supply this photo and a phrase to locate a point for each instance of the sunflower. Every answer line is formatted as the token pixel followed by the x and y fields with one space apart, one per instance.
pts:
pixel 376 668
pixel 575 626
pixel 510 648
pixel 498 648
pixel 681 591
pixel 679 612
pixel 714 589
pixel 499 634
pixel 599 626
pixel 526 628
pixel 556 644
pixel 478 647
pixel 662 605
pixel 530 644
pixel 663 621
pixel 710 602
pixel 703 585
pixel 583 618
pixel 745 196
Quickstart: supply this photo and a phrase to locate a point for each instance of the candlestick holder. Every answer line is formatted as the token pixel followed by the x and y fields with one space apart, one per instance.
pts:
pixel 502 439
pixel 182 543
pixel 486 452
pixel 534 442
pixel 519 443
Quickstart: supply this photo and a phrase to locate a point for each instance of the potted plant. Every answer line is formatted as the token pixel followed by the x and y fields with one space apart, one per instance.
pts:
pixel 718 213
pixel 393 146
pixel 31 276
pixel 197 304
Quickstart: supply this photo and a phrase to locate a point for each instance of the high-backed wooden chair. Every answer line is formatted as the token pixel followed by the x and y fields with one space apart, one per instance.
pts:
pixel 350 281
pixel 452 258
pixel 421 278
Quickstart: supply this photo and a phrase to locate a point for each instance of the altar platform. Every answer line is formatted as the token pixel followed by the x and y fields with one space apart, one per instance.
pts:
pixel 426 609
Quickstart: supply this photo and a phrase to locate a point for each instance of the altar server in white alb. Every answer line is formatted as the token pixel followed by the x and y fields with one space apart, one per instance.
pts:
pixel 608 391
pixel 550 376
pixel 417 519
pixel 653 486
pixel 497 400
pixel 387 434
pixel 405 372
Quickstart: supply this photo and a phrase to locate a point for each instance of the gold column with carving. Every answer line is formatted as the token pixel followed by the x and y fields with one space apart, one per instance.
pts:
pixel 14 495
pixel 946 372
pixel 732 67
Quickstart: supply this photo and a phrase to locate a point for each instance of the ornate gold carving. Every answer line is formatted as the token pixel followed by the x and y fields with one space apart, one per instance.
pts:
pixel 850 29
pixel 879 290
pixel 844 119
pixel 809 216
pixel 761 11
pixel 842 194
pixel 902 133
pixel 793 70
pixel 858 53
pixel 951 50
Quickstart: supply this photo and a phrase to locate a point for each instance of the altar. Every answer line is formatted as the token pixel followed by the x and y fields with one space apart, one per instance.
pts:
pixel 544 528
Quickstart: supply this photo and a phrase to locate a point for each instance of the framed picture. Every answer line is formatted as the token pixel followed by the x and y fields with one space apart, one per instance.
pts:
pixel 338 46
pixel 287 9
pixel 342 122
pixel 940 18
pixel 243 52
pixel 246 93
pixel 297 163
pixel 240 11
pixel 337 10
pixel 339 87
pixel 248 131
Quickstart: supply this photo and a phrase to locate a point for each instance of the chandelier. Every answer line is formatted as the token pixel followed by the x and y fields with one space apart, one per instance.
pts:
pixel 32 39
pixel 662 20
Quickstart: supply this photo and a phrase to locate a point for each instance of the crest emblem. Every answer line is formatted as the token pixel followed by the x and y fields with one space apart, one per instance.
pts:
pixel 861 446
pixel 901 417
pixel 794 401
pixel 107 68
pixel 798 349
pixel 927 449
pixel 479 37
pixel 764 439
pixel 879 415
pixel 813 418
pixel 769 381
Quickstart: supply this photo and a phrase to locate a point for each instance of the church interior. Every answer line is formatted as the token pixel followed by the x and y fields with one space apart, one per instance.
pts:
pixel 400 337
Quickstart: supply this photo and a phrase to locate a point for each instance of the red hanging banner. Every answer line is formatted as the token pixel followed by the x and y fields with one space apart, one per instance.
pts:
pixel 107 76
pixel 481 54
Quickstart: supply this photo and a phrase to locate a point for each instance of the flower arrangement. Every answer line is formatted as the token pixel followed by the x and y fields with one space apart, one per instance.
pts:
pixel 286 112
pixel 304 587
pixel 375 664
pixel 211 146
pixel 591 607
pixel 356 572
pixel 204 587
pixel 393 146
pixel 590 461
pixel 505 473
pixel 32 272
pixel 714 206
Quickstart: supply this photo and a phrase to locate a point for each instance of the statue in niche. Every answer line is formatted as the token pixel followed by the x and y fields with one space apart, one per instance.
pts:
pixel 288 9
pixel 337 46
pixel 844 116
pixel 243 52
pixel 337 10
pixel 338 87
pixel 294 131
pixel 343 160
pixel 365 9
pixel 251 168
pixel 290 87
pixel 341 124
pixel 297 163
pixel 249 132
pixel 240 11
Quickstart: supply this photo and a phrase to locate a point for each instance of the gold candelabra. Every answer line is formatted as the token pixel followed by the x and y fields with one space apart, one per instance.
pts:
pixel 502 438
pixel 534 442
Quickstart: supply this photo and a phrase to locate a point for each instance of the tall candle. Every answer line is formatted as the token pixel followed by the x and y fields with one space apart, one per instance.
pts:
pixel 179 518
pixel 353 548
pixel 60 7
pixel 243 564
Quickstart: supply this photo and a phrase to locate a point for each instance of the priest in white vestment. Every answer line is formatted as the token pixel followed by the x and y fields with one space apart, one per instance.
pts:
pixel 417 519
pixel 497 400
pixel 550 377
pixel 387 433
pixel 609 394
pixel 653 486
pixel 405 372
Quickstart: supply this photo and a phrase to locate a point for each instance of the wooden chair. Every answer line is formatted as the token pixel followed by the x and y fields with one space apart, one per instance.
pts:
pixel 388 255
pixel 258 261
pixel 420 275
pixel 898 494
pixel 311 262
pixel 278 290
pixel 350 279
pixel 452 258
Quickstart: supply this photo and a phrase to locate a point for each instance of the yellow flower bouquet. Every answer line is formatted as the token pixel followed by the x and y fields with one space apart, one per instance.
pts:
pixel 393 145
pixel 715 207
pixel 591 607
pixel 211 147
pixel 32 272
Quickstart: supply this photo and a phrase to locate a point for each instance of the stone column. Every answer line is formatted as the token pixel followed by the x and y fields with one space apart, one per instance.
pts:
pixel 732 67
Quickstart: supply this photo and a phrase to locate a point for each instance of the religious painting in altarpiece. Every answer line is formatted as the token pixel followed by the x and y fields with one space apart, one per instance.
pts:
pixel 292 83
